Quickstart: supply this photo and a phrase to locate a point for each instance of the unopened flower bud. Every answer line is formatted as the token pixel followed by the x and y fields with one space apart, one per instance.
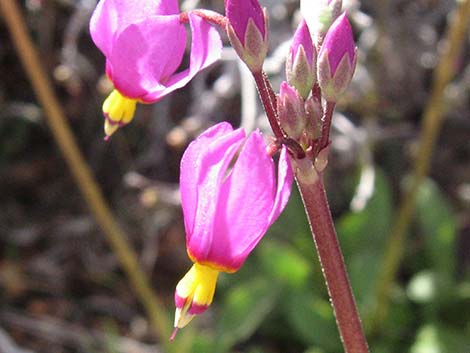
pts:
pixel 291 111
pixel 313 114
pixel 301 61
pixel 247 31
pixel 336 59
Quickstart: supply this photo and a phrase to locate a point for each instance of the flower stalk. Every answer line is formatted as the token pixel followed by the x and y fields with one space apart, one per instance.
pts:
pixel 308 166
pixel 319 217
pixel 313 194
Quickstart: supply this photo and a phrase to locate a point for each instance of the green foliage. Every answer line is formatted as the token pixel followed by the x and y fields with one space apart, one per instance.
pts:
pixel 363 236
pixel 312 320
pixel 243 310
pixel 438 228
pixel 435 338
pixel 279 294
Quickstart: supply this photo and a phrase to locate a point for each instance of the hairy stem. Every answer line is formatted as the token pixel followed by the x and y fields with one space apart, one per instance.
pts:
pixel 332 263
pixel 268 98
pixel 432 121
pixel 79 169
pixel 326 124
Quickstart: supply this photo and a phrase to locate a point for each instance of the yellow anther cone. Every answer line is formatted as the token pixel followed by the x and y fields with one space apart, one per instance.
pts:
pixel 118 110
pixel 196 290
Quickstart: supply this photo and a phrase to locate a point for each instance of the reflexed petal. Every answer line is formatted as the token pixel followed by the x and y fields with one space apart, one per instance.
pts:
pixel 245 202
pixel 190 170
pixel 113 16
pixel 146 53
pixel 284 186
pixel 212 165
pixel 206 48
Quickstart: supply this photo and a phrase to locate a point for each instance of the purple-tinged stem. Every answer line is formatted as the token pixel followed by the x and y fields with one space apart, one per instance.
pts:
pixel 268 98
pixel 332 263
pixel 316 92
pixel 270 90
pixel 210 16
pixel 326 124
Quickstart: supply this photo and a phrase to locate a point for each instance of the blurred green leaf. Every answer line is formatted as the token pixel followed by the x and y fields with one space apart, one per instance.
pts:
pixel 368 228
pixel 256 349
pixel 292 223
pixel 202 343
pixel 312 320
pixel 422 287
pixel 314 350
pixel 434 338
pixel 401 320
pixel 284 263
pixel 363 237
pixel 243 309
pixel 438 224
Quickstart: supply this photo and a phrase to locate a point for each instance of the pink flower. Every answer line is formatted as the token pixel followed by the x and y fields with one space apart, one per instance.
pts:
pixel 230 197
pixel 144 43
pixel 336 59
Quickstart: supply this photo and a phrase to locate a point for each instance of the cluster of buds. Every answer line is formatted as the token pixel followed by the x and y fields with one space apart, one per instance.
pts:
pixel 230 190
pixel 321 60
pixel 319 68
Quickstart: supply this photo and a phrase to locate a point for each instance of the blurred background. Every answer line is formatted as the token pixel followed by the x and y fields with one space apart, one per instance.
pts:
pixel 62 288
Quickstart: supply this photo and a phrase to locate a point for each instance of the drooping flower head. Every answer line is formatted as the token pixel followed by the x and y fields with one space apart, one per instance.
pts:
pixel 230 196
pixel 336 59
pixel 144 43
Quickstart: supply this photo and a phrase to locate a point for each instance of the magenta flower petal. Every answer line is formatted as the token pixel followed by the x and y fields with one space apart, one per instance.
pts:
pixel 211 169
pixel 284 185
pixel 112 16
pixel 206 48
pixel 145 54
pixel 230 195
pixel 191 169
pixel 244 205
